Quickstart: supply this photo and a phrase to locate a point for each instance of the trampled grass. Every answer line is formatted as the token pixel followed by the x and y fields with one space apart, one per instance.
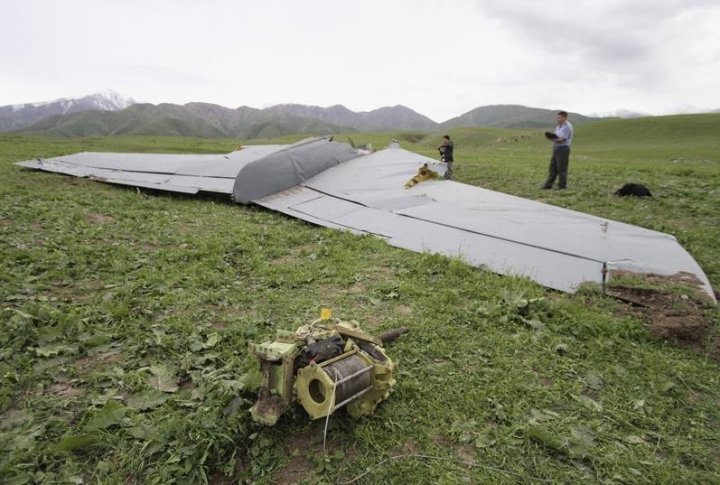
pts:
pixel 126 317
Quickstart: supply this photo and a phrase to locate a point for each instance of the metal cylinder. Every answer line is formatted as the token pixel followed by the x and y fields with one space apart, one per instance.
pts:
pixel 322 389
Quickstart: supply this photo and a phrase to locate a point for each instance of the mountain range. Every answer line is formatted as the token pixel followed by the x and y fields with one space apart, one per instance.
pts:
pixel 18 116
pixel 110 114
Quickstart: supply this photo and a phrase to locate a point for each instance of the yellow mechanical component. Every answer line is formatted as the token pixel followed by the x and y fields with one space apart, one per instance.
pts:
pixel 424 173
pixel 321 389
pixel 356 379
pixel 325 365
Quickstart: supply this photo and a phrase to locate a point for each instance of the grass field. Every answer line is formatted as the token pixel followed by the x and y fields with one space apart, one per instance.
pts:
pixel 126 318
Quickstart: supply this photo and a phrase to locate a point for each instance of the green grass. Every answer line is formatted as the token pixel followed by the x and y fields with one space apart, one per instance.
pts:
pixel 126 317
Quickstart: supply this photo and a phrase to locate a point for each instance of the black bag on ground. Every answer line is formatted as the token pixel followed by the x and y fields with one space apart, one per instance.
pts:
pixel 637 190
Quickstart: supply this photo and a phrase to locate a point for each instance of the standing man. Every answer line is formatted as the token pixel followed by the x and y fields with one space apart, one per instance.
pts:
pixel 446 155
pixel 560 159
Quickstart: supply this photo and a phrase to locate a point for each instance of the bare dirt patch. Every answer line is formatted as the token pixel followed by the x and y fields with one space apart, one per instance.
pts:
pixel 64 390
pixel 357 289
pixel 100 218
pixel 302 447
pixel 547 381
pixel 99 361
pixel 404 310
pixel 682 317
pixel 80 291
pixel 296 254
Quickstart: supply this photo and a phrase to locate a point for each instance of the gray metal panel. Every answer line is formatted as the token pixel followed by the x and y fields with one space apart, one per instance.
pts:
pixel 533 229
pixel 287 200
pixel 51 165
pixel 541 225
pixel 552 269
pixel 171 183
pixel 220 165
pixel 172 172
pixel 289 167
pixel 165 186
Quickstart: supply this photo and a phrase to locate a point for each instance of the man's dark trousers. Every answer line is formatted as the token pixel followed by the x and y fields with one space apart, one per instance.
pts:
pixel 558 167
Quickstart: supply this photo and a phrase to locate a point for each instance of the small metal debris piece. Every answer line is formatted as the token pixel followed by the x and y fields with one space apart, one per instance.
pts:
pixel 326 365
pixel 424 173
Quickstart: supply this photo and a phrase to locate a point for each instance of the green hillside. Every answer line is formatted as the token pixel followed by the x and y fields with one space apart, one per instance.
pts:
pixel 209 120
pixel 509 116
pixel 127 316
pixel 193 119
pixel 664 137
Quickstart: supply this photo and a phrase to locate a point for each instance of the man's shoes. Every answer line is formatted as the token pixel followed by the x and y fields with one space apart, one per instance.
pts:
pixel 545 187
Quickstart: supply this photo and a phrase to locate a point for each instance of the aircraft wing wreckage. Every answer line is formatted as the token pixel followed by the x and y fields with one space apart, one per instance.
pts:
pixel 335 185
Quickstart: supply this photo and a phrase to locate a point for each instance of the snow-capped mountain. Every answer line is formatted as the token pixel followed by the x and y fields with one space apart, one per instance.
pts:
pixel 18 116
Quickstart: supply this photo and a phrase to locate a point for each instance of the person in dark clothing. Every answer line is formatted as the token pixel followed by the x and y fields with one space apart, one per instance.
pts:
pixel 560 159
pixel 446 155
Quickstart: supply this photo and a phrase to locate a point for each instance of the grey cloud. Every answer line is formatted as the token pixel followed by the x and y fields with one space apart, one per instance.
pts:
pixel 618 38
pixel 608 32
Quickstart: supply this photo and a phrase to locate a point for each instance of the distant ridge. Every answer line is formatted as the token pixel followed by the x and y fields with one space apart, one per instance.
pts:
pixel 18 116
pixel 111 114
pixel 382 119
pixel 211 120
pixel 511 116
pixel 193 119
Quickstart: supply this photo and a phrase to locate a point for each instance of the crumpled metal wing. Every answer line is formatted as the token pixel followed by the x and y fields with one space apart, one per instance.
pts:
pixel 335 185
pixel 556 247
pixel 172 172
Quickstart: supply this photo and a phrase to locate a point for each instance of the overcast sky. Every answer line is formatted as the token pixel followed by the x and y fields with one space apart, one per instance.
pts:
pixel 439 58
